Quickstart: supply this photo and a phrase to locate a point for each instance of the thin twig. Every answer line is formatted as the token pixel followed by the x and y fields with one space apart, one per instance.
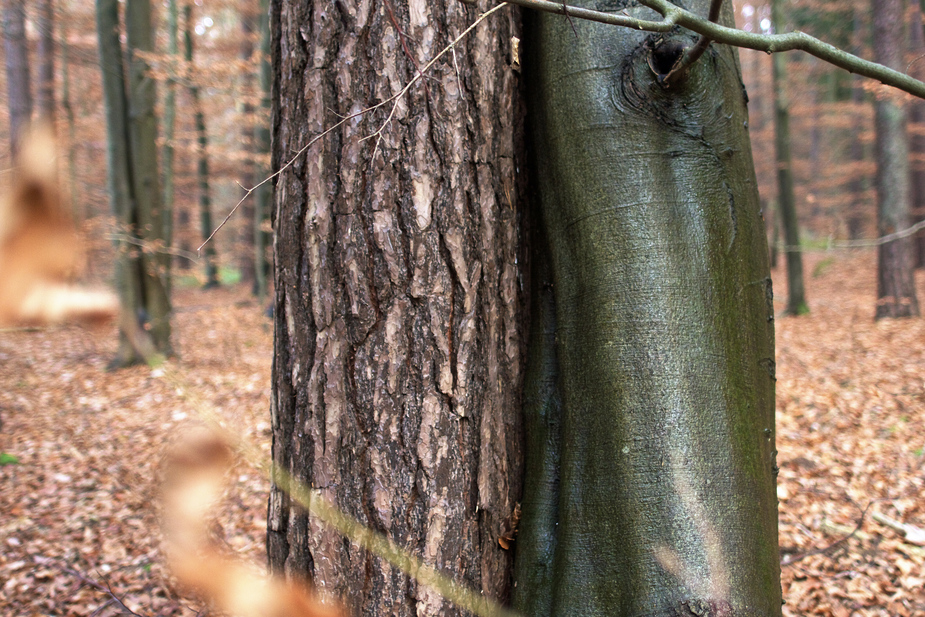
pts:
pixel 378 133
pixel 693 53
pixel 362 112
pixel 861 244
pixel 404 43
pixel 113 599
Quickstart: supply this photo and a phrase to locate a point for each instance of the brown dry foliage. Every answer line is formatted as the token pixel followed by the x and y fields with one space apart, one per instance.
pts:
pixel 851 430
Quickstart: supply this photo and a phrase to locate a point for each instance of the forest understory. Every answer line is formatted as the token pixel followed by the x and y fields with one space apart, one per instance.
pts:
pixel 80 450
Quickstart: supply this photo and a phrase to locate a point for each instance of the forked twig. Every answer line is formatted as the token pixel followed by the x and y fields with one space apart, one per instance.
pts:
pixel 378 133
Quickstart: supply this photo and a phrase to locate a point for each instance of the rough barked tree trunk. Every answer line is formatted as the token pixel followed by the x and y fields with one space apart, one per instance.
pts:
pixel 786 203
pixel 895 286
pixel 665 502
pixel 18 88
pixel 398 336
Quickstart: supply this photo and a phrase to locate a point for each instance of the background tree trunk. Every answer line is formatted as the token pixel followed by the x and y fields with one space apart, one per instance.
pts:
pixel 895 286
pixel 398 298
pixel 142 266
pixel 248 252
pixel 170 119
pixel 202 155
pixel 45 90
pixel 152 220
pixel 68 108
pixel 786 203
pixel 263 194
pixel 18 88
pixel 664 333
pixel 917 134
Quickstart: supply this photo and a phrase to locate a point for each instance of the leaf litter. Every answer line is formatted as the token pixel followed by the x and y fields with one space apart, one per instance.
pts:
pixel 82 448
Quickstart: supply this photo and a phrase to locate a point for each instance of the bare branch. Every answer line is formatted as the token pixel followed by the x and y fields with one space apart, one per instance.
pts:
pixel 693 54
pixel 769 43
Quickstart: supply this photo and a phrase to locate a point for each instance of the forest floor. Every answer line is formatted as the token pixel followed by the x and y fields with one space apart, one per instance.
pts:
pixel 80 449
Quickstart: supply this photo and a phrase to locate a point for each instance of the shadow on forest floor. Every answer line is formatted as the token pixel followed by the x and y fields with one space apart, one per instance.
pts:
pixel 80 500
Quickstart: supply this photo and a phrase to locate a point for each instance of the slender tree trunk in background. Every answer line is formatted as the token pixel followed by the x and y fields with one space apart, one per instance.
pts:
pixel 128 259
pixel 664 334
pixel 264 194
pixel 202 156
pixel 858 186
pixel 247 252
pixel 398 343
pixel 917 135
pixel 786 203
pixel 895 285
pixel 142 266
pixel 45 87
pixel 170 121
pixel 152 219
pixel 71 124
pixel 18 88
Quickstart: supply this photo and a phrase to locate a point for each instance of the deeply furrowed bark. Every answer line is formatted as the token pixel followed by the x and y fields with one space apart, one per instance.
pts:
pixel 664 334
pixel 398 301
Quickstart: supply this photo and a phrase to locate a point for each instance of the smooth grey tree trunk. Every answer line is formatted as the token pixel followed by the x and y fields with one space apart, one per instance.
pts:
pixel 18 87
pixel 786 203
pixel 664 336
pixel 399 321
pixel 202 157
pixel 895 286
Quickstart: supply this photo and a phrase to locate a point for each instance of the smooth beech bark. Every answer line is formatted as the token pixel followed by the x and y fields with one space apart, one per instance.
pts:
pixel 664 333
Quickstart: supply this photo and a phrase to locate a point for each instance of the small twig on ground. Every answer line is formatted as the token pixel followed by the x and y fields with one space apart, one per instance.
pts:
pixel 113 598
pixel 826 549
